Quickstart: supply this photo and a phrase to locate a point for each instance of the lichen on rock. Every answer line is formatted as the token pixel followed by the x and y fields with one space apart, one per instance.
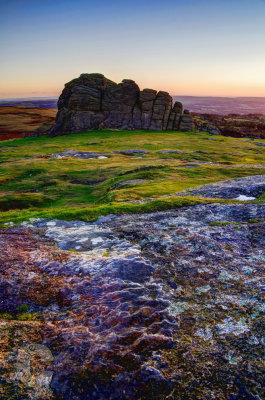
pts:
pixel 151 306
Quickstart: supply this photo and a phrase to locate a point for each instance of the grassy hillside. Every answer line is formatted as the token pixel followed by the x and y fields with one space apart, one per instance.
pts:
pixel 16 122
pixel 35 185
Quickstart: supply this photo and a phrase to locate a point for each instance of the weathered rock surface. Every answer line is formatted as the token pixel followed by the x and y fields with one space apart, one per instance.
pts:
pixel 248 188
pixel 91 154
pixel 95 102
pixel 131 152
pixel 171 152
pixel 166 305
pixel 242 189
pixel 79 154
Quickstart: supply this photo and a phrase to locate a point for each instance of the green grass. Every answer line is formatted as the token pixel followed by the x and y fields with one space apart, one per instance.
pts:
pixel 92 213
pixel 220 223
pixel 34 186
pixel 21 314
pixel 20 317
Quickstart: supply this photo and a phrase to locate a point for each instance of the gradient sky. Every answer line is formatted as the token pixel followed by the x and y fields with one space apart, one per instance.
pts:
pixel 186 47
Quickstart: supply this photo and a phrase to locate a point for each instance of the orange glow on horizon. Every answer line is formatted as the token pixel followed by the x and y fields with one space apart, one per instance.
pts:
pixel 33 87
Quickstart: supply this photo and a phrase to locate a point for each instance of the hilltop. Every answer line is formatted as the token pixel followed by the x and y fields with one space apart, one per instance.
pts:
pixel 131 262
pixel 93 101
pixel 131 266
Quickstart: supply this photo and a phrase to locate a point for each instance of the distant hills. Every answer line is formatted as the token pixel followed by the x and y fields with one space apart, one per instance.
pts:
pixel 196 104
pixel 34 102
pixel 19 121
pixel 223 105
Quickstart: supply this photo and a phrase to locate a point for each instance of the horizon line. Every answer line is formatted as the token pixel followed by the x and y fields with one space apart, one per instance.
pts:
pixel 172 95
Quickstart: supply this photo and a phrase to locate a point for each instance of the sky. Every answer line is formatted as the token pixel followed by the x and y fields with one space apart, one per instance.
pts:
pixel 185 47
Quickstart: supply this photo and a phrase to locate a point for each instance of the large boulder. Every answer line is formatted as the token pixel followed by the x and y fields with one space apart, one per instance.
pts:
pixel 161 111
pixel 186 122
pixel 174 117
pixel 80 104
pixel 147 98
pixel 95 102
pixel 118 104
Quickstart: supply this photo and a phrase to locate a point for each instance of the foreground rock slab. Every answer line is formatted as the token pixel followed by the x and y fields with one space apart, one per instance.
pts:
pixel 166 305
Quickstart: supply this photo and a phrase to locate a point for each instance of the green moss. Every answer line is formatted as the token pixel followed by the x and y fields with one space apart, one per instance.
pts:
pixel 28 316
pixel 18 201
pixel 21 314
pixel 219 223
pixel 6 316
pixel 255 220
pixel 22 308
pixel 229 247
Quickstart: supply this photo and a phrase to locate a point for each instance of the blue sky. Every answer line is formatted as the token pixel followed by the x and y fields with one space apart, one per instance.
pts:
pixel 193 47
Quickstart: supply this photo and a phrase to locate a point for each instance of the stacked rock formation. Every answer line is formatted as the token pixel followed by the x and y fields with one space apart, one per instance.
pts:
pixel 95 102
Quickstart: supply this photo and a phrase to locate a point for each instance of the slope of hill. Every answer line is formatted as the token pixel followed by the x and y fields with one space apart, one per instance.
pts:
pixel 146 305
pixel 17 122
pixel 97 172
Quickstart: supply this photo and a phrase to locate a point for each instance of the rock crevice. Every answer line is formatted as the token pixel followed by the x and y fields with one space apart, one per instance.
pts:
pixel 94 102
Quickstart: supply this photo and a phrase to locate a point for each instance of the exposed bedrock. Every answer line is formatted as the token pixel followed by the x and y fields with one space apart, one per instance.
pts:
pixel 158 306
pixel 95 102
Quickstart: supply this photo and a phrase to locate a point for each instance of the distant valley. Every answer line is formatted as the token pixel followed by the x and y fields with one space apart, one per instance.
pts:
pixel 223 105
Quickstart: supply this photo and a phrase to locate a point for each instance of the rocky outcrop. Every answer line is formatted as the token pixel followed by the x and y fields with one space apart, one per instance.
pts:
pixel 135 306
pixel 95 102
